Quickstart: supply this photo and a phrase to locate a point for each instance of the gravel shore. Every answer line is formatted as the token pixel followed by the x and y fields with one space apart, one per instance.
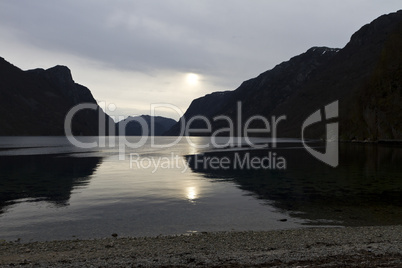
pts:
pixel 310 247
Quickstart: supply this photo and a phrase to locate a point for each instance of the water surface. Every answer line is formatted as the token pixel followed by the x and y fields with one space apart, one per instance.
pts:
pixel 50 189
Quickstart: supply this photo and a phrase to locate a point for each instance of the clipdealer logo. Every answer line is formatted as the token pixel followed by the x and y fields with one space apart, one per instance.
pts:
pixel 238 136
pixel 331 155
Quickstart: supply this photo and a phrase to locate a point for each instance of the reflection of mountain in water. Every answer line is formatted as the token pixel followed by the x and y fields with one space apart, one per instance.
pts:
pixel 365 189
pixel 43 177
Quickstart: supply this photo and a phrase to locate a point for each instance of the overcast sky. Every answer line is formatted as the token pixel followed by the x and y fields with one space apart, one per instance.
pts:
pixel 135 53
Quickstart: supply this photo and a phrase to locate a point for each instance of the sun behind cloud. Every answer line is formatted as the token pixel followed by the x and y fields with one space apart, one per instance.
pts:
pixel 192 79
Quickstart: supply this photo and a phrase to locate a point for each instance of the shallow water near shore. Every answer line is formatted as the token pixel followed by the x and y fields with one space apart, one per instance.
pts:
pixel 51 190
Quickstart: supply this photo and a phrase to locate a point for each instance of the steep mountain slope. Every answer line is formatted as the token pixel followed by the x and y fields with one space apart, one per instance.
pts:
pixel 259 95
pixel 36 102
pixel 364 76
pixel 156 125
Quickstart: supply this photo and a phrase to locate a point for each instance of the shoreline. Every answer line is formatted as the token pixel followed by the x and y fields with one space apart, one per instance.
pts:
pixel 306 247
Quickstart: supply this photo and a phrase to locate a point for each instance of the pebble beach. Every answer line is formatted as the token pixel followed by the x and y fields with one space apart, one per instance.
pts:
pixel 379 246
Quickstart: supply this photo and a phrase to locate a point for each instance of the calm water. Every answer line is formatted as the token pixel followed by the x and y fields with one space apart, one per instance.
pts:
pixel 50 190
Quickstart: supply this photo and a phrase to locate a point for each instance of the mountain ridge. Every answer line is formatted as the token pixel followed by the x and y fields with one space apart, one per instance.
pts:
pixel 347 75
pixel 156 125
pixel 273 87
pixel 36 102
pixel 365 77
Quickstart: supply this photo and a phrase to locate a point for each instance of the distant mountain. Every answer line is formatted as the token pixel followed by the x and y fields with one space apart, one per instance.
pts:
pixel 365 77
pixel 132 125
pixel 36 102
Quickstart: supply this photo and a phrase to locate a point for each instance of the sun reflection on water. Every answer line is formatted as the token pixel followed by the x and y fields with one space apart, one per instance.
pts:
pixel 191 193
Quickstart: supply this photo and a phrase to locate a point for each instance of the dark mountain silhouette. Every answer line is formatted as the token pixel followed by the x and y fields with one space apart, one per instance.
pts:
pixel 365 77
pixel 260 95
pixel 131 126
pixel 35 102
